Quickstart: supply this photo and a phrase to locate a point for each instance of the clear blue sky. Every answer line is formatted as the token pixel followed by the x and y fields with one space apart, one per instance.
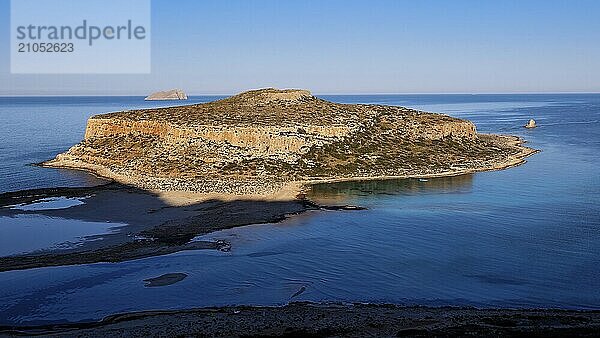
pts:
pixel 345 46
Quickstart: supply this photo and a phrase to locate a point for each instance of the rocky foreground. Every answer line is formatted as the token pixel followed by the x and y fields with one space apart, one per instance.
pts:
pixel 261 141
pixel 331 320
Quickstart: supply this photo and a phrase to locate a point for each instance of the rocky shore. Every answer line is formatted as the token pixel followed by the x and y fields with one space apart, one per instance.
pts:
pixel 330 320
pixel 264 141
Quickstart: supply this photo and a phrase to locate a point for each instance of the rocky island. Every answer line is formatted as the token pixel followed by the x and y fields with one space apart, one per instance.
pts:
pixel 269 141
pixel 173 94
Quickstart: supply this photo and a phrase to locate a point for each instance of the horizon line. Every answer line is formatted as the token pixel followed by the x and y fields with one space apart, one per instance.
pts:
pixel 316 94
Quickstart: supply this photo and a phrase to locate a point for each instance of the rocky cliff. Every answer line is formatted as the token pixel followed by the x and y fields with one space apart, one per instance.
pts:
pixel 258 141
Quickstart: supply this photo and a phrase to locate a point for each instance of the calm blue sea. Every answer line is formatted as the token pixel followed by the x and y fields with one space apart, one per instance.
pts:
pixel 524 237
pixel 35 129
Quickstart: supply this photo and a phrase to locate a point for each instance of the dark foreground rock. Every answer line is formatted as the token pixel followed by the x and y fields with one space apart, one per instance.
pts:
pixel 331 320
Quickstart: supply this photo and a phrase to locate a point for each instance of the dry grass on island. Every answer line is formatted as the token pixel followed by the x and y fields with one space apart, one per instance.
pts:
pixel 270 142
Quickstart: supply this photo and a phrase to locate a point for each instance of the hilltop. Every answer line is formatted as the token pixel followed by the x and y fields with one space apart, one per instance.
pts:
pixel 268 140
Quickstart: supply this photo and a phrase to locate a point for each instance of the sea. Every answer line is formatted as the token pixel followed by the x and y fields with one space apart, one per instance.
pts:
pixel 524 237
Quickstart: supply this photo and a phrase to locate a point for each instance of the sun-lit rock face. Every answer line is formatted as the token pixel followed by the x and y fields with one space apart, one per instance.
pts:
pixel 269 121
pixel 531 124
pixel 260 139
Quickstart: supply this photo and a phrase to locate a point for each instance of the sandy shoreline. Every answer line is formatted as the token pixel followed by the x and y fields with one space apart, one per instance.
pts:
pixel 329 320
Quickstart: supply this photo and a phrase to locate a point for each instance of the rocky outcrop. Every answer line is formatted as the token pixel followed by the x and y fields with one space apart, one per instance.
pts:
pixel 258 141
pixel 266 96
pixel 173 94
pixel 531 124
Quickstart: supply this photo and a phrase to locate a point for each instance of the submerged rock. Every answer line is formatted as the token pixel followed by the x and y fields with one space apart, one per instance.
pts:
pixel 164 280
pixel 173 94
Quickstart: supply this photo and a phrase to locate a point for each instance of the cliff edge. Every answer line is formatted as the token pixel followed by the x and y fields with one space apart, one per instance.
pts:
pixel 261 141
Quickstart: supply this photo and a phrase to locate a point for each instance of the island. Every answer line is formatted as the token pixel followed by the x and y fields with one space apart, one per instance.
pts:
pixel 271 142
pixel 173 94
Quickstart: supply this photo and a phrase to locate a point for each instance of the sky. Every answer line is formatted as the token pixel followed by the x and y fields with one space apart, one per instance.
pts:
pixel 349 47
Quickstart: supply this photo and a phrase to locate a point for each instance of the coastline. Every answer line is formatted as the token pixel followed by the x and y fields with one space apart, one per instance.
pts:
pixel 329 319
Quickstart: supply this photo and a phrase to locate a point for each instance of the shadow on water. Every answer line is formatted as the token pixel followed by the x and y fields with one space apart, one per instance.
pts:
pixel 153 227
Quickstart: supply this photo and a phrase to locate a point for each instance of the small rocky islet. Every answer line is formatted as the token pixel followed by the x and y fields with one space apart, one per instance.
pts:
pixel 260 141
pixel 173 94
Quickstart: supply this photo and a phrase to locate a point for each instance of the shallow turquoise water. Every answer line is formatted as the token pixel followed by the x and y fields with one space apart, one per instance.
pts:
pixel 524 237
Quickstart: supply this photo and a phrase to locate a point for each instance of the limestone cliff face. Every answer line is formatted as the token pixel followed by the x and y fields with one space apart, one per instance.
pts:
pixel 266 140
pixel 444 129
pixel 294 135
pixel 267 137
